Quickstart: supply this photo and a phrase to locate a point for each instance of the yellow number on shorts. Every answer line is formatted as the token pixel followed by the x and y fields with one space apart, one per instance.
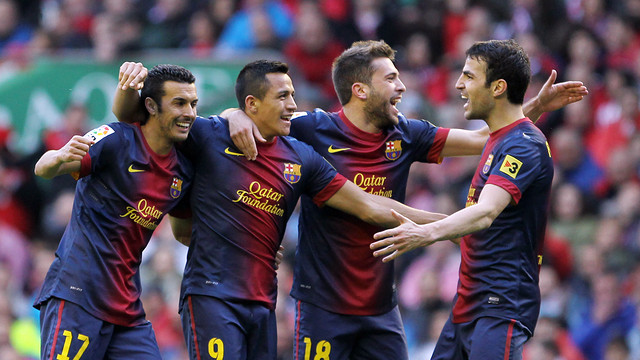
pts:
pixel 68 336
pixel 323 349
pixel 216 349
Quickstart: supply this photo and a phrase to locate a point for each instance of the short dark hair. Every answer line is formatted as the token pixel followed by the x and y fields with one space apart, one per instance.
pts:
pixel 507 60
pixel 252 79
pixel 354 65
pixel 158 75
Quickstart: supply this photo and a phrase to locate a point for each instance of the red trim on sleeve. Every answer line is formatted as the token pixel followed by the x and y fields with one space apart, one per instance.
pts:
pixel 85 167
pixel 434 155
pixel 325 194
pixel 507 185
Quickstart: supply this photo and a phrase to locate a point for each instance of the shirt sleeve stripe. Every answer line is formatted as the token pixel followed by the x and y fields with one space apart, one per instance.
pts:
pixel 510 187
pixel 85 167
pixel 434 155
pixel 325 194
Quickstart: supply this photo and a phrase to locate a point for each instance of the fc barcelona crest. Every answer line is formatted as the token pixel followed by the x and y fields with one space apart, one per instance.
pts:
pixel 292 172
pixel 487 165
pixel 393 149
pixel 176 188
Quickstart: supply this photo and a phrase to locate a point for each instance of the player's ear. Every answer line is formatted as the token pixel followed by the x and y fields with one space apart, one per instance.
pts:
pixel 499 87
pixel 251 104
pixel 151 105
pixel 360 90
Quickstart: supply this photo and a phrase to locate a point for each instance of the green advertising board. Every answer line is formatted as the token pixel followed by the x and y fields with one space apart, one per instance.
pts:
pixel 35 100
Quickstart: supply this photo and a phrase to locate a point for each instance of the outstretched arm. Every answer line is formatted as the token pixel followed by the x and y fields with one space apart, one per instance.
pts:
pixel 551 97
pixel 408 236
pixel 65 160
pixel 126 101
pixel 374 209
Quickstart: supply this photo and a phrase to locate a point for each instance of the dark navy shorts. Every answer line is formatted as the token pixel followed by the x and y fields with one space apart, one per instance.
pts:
pixel 324 335
pixel 481 339
pixel 69 332
pixel 218 329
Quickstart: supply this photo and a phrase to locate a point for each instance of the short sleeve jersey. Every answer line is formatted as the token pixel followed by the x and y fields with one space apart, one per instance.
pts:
pixel 334 266
pixel 123 193
pixel 241 207
pixel 500 265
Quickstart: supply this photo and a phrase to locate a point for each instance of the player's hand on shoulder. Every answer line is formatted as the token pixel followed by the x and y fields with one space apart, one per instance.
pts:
pixel 132 75
pixel 75 149
pixel 244 133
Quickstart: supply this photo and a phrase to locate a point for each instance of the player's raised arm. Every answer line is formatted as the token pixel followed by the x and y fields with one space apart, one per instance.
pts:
pixel 553 96
pixel 65 160
pixel 374 209
pixel 126 101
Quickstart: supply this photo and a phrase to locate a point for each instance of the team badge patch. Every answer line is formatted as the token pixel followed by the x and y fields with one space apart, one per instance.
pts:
pixel 176 188
pixel 292 172
pixel 393 149
pixel 99 133
pixel 487 164
pixel 511 166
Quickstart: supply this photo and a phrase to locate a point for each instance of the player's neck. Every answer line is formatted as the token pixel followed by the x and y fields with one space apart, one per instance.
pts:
pixel 160 145
pixel 356 115
pixel 261 128
pixel 502 116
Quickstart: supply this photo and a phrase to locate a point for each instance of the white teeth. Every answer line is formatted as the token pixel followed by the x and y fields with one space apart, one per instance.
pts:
pixel 183 124
pixel 463 96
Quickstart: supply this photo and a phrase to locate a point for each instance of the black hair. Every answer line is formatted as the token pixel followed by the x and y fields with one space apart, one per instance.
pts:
pixel 158 75
pixel 252 79
pixel 505 59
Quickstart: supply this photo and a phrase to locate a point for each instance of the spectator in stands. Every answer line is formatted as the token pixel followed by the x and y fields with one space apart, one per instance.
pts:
pixel 312 50
pixel 14 33
pixel 202 35
pixel 257 19
pixel 571 219
pixel 605 315
pixel 167 24
pixel 574 165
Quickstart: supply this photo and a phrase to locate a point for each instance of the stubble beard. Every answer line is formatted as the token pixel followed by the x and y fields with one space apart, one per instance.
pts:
pixel 378 114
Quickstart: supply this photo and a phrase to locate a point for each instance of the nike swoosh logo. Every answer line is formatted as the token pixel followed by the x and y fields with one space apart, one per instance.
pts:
pixel 132 170
pixel 227 151
pixel 333 150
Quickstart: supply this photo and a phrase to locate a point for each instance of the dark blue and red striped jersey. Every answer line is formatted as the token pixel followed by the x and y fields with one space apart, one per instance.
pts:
pixel 123 193
pixel 334 266
pixel 500 265
pixel 241 207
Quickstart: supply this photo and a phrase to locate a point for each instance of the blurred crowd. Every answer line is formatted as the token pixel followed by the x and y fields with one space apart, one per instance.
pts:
pixel 590 277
